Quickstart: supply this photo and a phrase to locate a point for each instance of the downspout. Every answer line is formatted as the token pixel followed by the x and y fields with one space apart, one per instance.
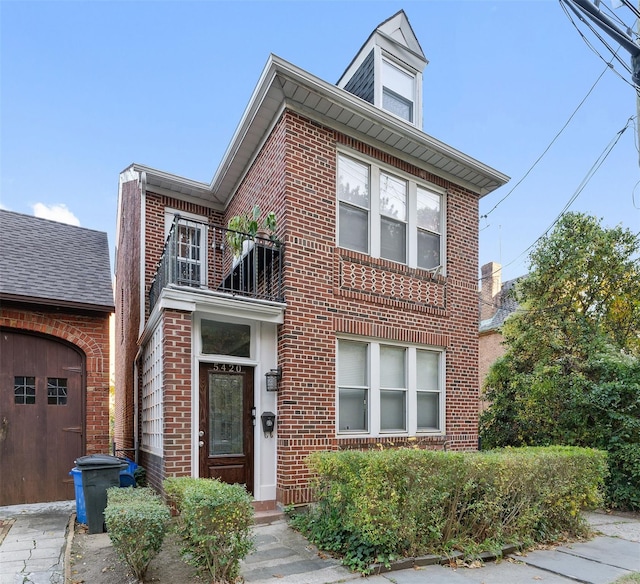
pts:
pixel 136 389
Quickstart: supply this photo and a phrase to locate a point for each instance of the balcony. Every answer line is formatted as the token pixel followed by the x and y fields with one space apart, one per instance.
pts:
pixel 199 255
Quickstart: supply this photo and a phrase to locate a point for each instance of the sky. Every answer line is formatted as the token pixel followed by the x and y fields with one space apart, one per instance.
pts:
pixel 89 87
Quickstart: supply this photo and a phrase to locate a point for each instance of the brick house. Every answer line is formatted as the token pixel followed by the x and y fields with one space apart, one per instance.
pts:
pixel 56 300
pixel 496 304
pixel 353 325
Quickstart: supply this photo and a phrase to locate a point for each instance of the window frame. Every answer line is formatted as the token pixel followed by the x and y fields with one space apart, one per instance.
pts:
pixel 394 91
pixel 375 216
pixel 366 387
pixel 344 203
pixel 375 387
pixel 201 224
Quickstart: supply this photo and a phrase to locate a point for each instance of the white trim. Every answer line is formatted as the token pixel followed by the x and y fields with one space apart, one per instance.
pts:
pixel 201 223
pixel 143 247
pixel 263 358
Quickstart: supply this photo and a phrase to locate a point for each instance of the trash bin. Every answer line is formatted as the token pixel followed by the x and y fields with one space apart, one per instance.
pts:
pixel 99 472
pixel 127 475
pixel 81 509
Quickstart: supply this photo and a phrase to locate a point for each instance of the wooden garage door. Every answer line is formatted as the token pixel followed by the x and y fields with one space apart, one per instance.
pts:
pixel 41 418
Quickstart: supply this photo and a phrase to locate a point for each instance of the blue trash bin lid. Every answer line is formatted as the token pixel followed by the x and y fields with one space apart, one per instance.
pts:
pixel 96 461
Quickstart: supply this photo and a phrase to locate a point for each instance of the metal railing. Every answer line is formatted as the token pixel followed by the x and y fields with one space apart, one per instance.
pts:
pixel 200 255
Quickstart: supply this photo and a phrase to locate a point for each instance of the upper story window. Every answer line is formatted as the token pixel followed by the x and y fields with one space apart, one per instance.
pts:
pixel 393 218
pixel 186 242
pixel 188 246
pixel 389 216
pixel 353 194
pixel 429 213
pixel 398 91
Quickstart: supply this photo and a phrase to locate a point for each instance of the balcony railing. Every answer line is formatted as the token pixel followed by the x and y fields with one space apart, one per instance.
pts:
pixel 198 255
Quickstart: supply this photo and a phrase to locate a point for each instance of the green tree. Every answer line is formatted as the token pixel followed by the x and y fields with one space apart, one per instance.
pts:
pixel 571 371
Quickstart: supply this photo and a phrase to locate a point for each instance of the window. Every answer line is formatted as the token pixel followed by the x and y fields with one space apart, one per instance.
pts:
pixel 353 387
pixel 393 217
pixel 56 391
pixel 389 216
pixel 398 91
pixel 225 338
pixel 393 389
pixel 188 254
pixel 353 194
pixel 389 389
pixel 24 390
pixel 428 390
pixel 187 244
pixel 428 218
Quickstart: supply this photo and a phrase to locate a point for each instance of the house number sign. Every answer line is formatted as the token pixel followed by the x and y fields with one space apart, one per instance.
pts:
pixel 225 368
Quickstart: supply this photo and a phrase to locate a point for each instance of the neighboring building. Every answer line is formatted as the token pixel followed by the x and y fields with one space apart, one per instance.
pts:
pixel 496 304
pixel 366 307
pixel 55 303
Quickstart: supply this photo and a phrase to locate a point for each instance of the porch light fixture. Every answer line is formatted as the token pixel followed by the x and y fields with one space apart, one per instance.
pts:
pixel 273 378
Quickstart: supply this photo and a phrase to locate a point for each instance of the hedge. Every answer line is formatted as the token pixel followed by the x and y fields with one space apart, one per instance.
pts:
pixel 378 506
pixel 215 522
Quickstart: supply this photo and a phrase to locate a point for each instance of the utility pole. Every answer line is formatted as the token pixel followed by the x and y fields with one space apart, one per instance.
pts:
pixel 584 8
pixel 623 38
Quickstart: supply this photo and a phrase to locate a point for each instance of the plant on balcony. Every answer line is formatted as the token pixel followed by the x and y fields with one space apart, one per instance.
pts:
pixel 247 227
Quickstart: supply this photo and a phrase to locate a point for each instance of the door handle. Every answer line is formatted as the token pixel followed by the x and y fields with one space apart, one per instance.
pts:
pixel 201 443
pixel 201 433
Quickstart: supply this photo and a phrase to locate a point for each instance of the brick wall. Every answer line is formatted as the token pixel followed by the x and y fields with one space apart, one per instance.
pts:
pixel 127 304
pixel 320 304
pixel 177 393
pixel 90 333
pixel 294 175
pixel 491 348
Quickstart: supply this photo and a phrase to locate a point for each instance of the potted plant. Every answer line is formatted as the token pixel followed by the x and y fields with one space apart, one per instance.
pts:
pixel 245 228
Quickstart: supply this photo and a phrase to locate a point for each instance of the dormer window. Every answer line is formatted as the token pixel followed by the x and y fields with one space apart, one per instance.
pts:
pixel 398 91
pixel 387 71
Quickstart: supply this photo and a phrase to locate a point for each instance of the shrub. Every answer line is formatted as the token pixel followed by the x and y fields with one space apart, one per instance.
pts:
pixel 137 522
pixel 377 506
pixel 215 522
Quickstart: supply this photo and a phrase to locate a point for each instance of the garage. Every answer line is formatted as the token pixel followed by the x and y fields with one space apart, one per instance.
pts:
pixel 56 300
pixel 42 427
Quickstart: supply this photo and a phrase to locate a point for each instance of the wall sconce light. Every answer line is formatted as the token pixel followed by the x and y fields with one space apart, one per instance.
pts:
pixel 273 378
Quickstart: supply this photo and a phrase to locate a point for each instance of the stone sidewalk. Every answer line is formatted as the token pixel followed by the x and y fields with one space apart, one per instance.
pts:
pixel 285 557
pixel 34 551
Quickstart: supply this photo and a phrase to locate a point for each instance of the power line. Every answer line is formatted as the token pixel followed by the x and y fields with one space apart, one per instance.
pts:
pixel 550 144
pixel 594 168
pixel 594 50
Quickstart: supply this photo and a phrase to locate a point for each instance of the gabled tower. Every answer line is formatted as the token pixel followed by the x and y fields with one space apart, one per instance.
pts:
pixel 387 71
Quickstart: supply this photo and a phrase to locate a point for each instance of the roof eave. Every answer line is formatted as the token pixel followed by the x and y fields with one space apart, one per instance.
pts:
pixel 57 303
pixel 281 85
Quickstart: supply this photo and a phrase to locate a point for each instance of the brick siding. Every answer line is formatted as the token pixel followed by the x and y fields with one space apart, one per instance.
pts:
pixel 294 175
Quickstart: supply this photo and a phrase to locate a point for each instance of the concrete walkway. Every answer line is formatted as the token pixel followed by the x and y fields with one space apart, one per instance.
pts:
pixel 33 550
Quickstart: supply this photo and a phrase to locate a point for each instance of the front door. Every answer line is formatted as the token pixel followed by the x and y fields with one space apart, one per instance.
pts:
pixel 226 423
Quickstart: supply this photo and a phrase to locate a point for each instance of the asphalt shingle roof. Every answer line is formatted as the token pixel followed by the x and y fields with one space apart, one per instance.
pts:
pixel 54 262
pixel 507 305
